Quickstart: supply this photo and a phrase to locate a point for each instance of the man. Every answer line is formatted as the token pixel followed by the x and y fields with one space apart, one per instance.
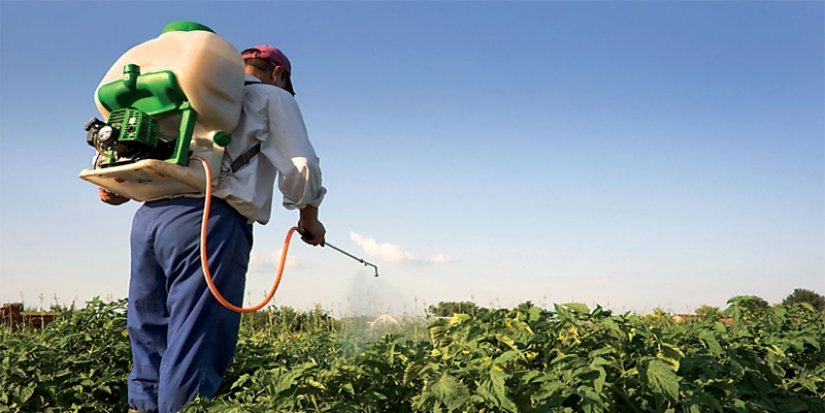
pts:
pixel 182 338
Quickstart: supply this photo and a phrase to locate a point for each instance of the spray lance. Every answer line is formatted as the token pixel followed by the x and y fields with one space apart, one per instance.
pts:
pixel 361 260
pixel 163 111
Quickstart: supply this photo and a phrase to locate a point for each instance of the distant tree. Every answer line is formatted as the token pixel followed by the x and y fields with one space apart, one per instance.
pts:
pixel 748 302
pixel 659 318
pixel 58 308
pixel 448 308
pixel 706 310
pixel 801 295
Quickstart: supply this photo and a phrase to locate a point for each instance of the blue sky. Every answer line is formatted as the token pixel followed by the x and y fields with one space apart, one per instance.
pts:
pixel 631 154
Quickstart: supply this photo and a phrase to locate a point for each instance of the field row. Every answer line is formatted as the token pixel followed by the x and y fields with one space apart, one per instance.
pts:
pixel 525 359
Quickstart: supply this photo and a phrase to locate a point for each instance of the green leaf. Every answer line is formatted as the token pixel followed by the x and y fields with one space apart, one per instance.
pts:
pixel 530 375
pixel 601 361
pixel 563 359
pixel 672 355
pixel 347 387
pixel 457 319
pixel 499 379
pixel 493 390
pixel 710 341
pixel 591 400
pixel 26 393
pixel 449 391
pixel 240 381
pixel 534 314
pixel 612 326
pixel 578 308
pixel 316 384
pixel 550 389
pixel 507 356
pixel 600 381
pixel 601 351
pixel 662 380
pixel 809 339
pixel 507 341
pixel 791 405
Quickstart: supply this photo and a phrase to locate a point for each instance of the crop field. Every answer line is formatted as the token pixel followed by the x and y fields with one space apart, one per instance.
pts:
pixel 570 358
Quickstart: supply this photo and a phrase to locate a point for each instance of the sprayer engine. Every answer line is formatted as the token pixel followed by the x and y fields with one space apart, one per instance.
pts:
pixel 128 136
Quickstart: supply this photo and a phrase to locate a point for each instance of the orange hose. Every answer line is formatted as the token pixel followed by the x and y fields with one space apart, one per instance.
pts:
pixel 205 263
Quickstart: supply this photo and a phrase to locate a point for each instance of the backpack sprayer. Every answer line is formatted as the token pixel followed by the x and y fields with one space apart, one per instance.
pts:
pixel 168 101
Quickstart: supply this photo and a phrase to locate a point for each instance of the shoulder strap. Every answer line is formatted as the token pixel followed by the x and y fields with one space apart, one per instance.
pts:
pixel 244 159
pixel 247 156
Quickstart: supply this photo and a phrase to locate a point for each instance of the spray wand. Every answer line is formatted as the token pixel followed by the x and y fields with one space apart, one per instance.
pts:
pixel 304 234
pixel 361 260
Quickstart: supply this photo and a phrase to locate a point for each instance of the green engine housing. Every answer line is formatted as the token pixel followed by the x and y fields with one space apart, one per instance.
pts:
pixel 136 127
pixel 135 103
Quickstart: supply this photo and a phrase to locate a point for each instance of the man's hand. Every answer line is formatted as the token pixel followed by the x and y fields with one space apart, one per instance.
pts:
pixel 312 231
pixel 110 197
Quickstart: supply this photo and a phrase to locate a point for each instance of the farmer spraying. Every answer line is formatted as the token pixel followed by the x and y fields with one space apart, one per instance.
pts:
pixel 182 338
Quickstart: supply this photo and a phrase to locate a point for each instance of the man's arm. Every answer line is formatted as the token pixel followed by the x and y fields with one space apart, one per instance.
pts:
pixel 288 148
pixel 292 154
pixel 110 197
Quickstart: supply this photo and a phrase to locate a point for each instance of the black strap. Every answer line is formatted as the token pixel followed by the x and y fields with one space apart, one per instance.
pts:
pixel 245 158
pixel 248 155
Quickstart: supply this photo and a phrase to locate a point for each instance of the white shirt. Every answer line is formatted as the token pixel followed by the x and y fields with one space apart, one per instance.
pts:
pixel 271 116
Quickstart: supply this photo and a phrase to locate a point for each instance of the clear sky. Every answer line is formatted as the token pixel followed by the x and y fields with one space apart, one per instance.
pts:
pixel 631 154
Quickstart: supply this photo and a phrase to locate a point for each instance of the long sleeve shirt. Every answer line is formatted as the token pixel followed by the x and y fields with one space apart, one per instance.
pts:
pixel 270 116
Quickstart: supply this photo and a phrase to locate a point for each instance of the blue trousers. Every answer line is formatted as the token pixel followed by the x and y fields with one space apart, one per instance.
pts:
pixel 182 338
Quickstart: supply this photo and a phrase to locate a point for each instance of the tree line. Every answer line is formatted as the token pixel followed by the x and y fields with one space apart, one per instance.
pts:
pixel 750 302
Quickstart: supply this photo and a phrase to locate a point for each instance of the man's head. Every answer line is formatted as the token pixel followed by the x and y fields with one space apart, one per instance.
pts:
pixel 270 65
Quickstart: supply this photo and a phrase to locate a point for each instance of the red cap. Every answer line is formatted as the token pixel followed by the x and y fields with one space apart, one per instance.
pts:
pixel 269 53
pixel 272 55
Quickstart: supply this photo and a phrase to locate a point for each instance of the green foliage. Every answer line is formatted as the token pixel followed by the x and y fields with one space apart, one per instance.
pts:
pixel 77 363
pixel 706 311
pixel 801 295
pixel 526 359
pixel 286 320
pixel 448 308
pixel 659 318
pixel 749 303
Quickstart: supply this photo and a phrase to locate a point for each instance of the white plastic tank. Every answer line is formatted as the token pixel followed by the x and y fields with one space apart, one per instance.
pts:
pixel 209 70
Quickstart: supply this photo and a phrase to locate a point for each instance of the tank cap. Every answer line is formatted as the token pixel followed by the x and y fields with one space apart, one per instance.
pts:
pixel 221 138
pixel 185 26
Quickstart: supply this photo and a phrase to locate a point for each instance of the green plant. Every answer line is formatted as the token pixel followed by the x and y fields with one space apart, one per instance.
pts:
pixel 526 359
pixel 78 363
